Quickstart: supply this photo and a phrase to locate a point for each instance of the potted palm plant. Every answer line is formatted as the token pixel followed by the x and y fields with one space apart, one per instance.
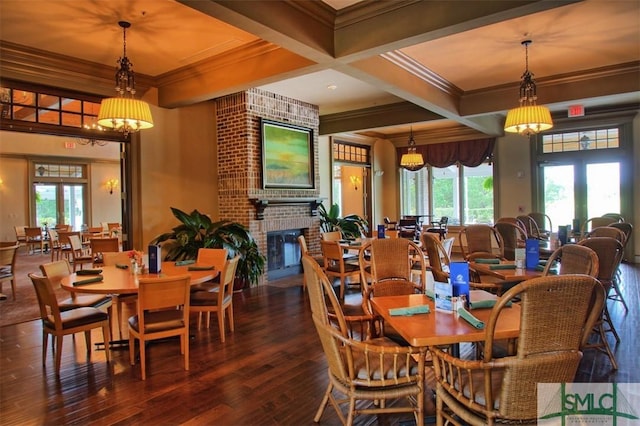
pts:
pixel 197 230
pixel 351 226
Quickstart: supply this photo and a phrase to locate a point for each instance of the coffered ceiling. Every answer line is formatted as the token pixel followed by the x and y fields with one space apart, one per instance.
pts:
pixel 372 67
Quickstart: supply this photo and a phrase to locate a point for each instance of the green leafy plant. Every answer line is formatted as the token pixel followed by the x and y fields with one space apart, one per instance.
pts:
pixel 197 230
pixel 351 226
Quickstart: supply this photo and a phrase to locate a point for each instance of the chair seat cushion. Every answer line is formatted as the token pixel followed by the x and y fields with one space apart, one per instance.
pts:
pixel 206 298
pixel 348 267
pixel 84 301
pixel 159 321
pixel 78 317
pixel 370 367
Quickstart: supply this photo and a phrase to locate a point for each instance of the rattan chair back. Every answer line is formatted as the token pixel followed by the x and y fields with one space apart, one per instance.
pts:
pixel 543 221
pixel 438 257
pixel 572 259
pixel 530 226
pixel 607 231
pixel 480 241
pixel 609 252
pixel 513 237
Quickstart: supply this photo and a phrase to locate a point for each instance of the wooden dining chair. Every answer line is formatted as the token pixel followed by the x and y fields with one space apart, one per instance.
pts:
pixel 219 301
pixel 491 390
pixel 78 253
pixel 34 239
pixel 8 255
pixel 335 266
pixel 163 311
pixel 378 370
pixel 58 323
pixel 120 258
pixel 215 257
pixel 99 246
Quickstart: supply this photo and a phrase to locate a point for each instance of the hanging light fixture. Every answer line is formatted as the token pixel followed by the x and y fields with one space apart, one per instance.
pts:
pixel 412 160
pixel 93 141
pixel 528 118
pixel 124 113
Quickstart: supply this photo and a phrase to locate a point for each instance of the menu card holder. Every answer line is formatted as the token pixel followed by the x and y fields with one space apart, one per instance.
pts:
pixel 154 259
pixel 533 253
pixel 381 231
pixel 459 273
pixel 443 295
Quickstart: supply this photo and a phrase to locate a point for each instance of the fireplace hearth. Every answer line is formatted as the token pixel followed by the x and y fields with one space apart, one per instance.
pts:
pixel 283 253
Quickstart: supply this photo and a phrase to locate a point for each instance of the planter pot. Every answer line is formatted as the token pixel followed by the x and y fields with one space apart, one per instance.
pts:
pixel 240 284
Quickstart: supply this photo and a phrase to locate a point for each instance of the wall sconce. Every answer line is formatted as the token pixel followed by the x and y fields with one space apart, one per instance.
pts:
pixel 355 181
pixel 378 173
pixel 111 185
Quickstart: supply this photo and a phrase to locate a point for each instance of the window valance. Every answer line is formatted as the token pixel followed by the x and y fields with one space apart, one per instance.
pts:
pixel 469 153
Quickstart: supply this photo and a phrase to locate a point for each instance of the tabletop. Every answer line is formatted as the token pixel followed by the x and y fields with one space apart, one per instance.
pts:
pixel 443 328
pixel 514 275
pixel 122 281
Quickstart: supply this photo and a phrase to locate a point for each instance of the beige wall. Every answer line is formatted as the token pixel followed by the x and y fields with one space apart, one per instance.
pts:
pixel 513 168
pixel 177 168
pixel 386 201
pixel 18 149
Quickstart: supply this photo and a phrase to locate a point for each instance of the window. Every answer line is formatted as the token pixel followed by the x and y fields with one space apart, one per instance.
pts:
pixel 35 107
pixel 455 192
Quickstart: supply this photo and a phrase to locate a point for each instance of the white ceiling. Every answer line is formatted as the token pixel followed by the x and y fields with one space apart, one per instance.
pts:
pixel 464 56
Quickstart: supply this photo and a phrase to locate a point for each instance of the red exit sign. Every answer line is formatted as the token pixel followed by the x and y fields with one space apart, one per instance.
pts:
pixel 576 110
pixel 69 145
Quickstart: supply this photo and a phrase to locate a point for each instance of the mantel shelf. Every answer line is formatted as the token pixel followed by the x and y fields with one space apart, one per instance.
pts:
pixel 262 203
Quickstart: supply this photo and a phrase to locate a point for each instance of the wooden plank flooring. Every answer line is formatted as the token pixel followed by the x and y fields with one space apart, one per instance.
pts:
pixel 271 371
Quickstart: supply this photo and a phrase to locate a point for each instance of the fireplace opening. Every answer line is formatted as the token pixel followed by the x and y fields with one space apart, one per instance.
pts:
pixel 283 253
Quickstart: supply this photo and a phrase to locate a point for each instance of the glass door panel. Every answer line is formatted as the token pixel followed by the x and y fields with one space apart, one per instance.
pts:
pixel 74 206
pixel 478 194
pixel 46 204
pixel 603 189
pixel 445 190
pixel 559 198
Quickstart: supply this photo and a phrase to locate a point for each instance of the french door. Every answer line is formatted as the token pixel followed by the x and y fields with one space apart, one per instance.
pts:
pixel 60 203
pixel 580 190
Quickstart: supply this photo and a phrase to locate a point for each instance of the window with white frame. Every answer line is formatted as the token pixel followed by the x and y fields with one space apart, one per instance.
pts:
pixel 463 194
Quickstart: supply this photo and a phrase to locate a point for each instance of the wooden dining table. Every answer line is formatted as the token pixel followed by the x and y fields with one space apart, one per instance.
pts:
pixel 122 281
pixel 440 327
pixel 511 275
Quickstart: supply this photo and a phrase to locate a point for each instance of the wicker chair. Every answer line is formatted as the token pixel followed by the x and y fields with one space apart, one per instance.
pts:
pixel 545 226
pixel 596 222
pixel 375 370
pixel 555 322
pixel 609 251
pixel 335 264
pixel 531 227
pixel 607 231
pixel 439 259
pixel 480 241
pixel 572 259
pixel 302 242
pixel 513 237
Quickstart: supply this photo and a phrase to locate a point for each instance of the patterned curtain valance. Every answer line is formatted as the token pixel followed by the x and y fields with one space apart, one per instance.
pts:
pixel 470 153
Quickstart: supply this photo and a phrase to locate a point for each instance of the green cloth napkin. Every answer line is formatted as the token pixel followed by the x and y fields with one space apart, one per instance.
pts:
pixel 185 262
pixel 483 304
pixel 505 266
pixel 200 268
pixel 411 310
pixel 122 266
pixel 491 261
pixel 88 281
pixel 468 317
pixel 89 272
pixel 540 268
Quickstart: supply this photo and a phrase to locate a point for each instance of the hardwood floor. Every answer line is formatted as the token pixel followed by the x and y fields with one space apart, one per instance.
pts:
pixel 270 371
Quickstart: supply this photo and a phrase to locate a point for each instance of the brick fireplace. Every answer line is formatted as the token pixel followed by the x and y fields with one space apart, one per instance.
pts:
pixel 241 195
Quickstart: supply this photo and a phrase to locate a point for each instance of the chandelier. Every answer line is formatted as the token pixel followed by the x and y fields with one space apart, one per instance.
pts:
pixel 93 141
pixel 528 118
pixel 124 113
pixel 412 160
